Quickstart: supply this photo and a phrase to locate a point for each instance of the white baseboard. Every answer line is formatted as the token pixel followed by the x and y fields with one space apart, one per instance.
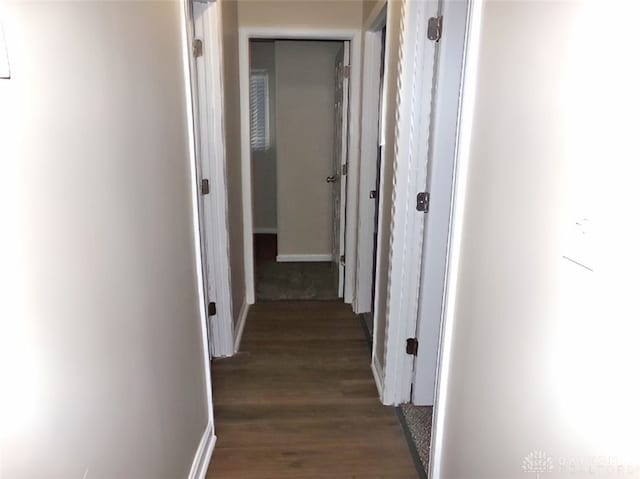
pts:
pixel 242 319
pixel 377 376
pixel 265 231
pixel 202 457
pixel 290 258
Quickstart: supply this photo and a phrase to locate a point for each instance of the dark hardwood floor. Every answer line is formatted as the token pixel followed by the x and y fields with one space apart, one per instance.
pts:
pixel 299 401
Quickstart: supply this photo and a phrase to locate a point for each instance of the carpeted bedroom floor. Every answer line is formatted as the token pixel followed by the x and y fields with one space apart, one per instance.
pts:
pixel 417 420
pixel 291 281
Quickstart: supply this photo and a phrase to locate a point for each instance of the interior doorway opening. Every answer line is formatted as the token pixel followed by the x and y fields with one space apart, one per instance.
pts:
pixel 298 132
pixel 372 156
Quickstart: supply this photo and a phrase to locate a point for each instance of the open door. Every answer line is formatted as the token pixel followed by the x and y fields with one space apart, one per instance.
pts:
pixel 208 134
pixel 440 174
pixel 339 178
pixel 196 10
pixel 409 116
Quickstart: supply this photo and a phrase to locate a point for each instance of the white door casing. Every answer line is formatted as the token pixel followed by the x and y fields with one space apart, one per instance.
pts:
pixel 341 125
pixel 246 34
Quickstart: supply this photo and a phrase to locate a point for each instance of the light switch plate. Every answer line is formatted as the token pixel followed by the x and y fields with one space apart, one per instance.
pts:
pixel 579 247
pixel 5 71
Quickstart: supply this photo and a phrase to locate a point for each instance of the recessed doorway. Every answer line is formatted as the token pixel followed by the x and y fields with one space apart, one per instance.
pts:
pixel 298 101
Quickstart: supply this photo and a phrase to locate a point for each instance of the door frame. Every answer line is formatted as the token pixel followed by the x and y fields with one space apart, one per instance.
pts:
pixel 204 451
pixel 371 124
pixel 461 172
pixel 245 35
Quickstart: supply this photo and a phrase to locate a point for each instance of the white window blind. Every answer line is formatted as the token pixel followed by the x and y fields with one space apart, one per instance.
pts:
pixel 260 135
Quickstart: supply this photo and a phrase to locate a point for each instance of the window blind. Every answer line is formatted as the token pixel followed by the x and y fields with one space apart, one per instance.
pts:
pixel 259 92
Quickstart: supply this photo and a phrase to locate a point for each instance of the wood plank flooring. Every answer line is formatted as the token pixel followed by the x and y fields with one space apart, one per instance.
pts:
pixel 299 401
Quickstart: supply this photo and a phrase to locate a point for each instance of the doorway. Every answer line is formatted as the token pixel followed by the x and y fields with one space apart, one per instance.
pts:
pixel 371 171
pixel 298 132
pixel 372 154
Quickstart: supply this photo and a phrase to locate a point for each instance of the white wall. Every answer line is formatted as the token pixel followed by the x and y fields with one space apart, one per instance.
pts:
pixel 305 93
pixel 101 354
pixel 544 353
pixel 263 163
pixel 231 80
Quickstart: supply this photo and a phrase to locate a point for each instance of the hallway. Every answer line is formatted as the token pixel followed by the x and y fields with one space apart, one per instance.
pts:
pixel 299 400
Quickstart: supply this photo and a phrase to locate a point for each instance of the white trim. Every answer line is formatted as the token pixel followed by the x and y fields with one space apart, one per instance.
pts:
pixel 240 323
pixel 463 145
pixel 411 149
pixel 291 258
pixel 354 36
pixel 202 457
pixel 370 119
pixel 211 151
pixel 265 231
pixel 207 442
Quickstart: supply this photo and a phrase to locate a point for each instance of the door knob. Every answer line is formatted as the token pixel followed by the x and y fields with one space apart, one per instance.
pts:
pixel 331 179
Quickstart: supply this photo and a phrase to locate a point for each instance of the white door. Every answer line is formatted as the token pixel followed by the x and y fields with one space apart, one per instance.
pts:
pixel 440 172
pixel 209 151
pixel 339 177
pixel 410 117
pixel 197 83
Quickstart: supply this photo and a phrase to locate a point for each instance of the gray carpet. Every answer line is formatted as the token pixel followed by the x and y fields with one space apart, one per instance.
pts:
pixel 418 421
pixel 301 281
